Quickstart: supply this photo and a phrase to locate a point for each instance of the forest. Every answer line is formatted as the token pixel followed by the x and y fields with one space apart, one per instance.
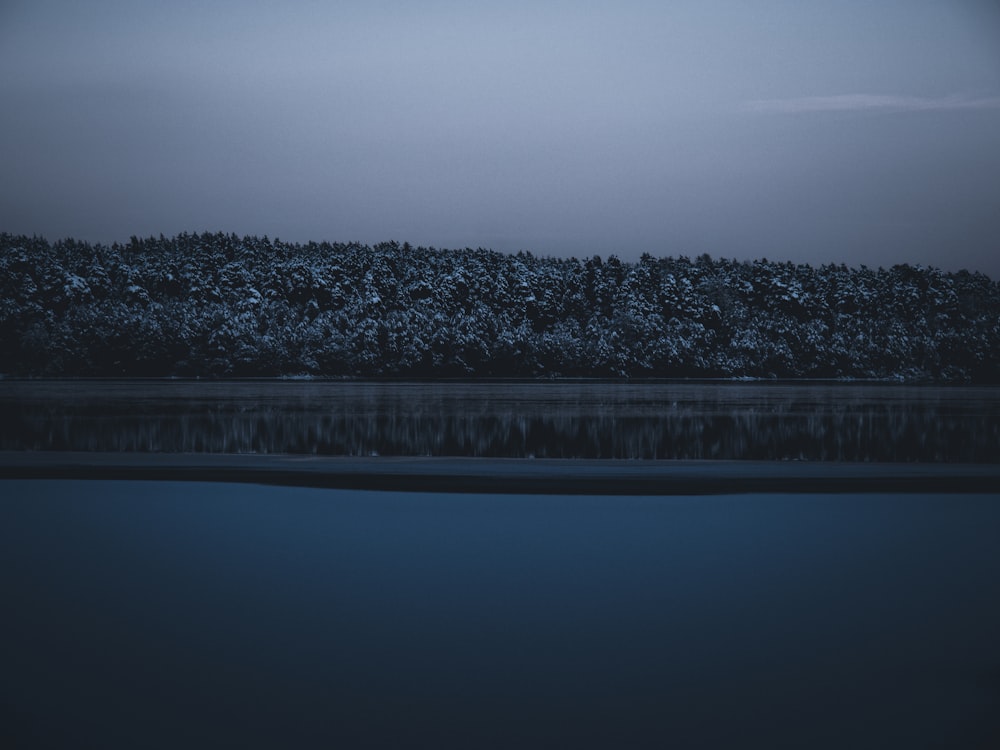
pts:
pixel 217 305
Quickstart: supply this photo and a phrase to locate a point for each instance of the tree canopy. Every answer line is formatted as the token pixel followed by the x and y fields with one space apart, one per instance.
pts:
pixel 217 305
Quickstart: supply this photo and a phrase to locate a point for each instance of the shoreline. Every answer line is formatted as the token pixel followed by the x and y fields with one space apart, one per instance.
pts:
pixel 897 380
pixel 510 475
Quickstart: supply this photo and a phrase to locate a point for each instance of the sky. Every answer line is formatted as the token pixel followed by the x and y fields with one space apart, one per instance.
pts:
pixel 856 131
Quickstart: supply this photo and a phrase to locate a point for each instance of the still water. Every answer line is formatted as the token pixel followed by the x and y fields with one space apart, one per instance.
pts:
pixel 817 422
pixel 175 615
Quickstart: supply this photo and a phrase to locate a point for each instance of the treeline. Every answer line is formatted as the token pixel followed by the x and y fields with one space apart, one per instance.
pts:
pixel 217 305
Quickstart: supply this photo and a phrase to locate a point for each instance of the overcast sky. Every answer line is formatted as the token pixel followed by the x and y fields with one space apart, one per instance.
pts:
pixel 855 131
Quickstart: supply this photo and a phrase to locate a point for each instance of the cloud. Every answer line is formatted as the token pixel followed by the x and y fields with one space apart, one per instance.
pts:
pixel 871 103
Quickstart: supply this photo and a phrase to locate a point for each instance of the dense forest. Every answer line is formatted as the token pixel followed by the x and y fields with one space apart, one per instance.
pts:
pixel 217 305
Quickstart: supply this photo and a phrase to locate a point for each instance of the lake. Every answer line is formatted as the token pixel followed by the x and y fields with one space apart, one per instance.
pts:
pixel 578 612
pixel 741 421
pixel 159 614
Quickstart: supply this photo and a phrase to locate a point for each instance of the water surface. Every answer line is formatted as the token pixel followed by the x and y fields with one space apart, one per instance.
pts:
pixel 764 421
pixel 173 615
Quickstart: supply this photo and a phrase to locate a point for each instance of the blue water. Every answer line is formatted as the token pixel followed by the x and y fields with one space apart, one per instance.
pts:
pixel 174 615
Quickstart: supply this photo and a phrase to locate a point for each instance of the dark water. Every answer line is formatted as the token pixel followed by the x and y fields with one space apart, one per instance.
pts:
pixel 179 615
pixel 820 422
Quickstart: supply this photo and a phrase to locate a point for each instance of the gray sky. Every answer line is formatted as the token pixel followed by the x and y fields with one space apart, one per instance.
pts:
pixel 856 131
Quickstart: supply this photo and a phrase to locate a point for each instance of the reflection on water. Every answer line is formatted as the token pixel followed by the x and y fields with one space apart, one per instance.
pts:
pixel 822 422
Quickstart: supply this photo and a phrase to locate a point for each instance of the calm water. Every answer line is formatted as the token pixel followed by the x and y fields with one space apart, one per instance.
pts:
pixel 177 615
pixel 852 422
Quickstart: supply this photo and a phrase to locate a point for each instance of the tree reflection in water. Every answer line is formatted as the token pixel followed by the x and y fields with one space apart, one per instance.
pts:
pixel 816 422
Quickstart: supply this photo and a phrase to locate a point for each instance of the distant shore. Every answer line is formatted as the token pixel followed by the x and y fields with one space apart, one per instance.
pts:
pixel 219 305
pixel 841 380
